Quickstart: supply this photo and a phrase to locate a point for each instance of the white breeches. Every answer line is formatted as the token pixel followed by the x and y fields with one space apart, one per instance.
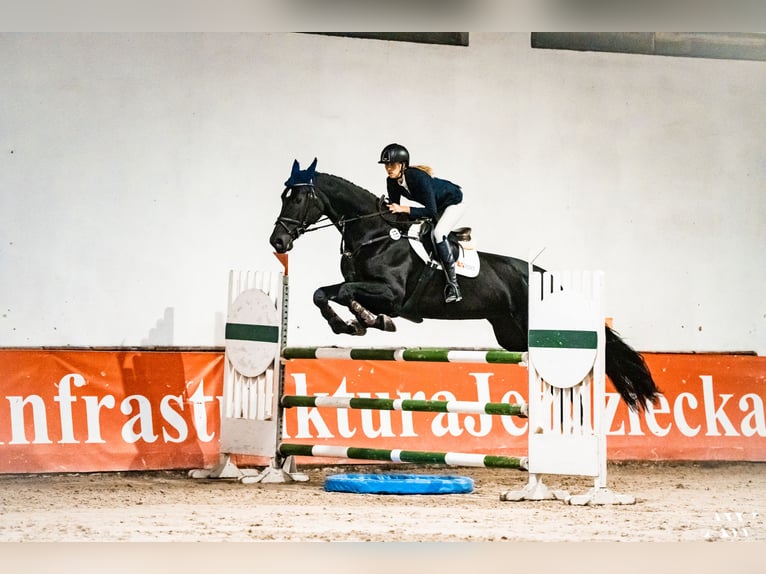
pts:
pixel 448 221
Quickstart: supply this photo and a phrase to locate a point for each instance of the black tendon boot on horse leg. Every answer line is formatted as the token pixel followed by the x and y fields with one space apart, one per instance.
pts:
pixel 451 291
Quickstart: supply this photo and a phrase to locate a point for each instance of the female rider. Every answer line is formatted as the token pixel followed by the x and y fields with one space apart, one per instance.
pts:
pixel 441 201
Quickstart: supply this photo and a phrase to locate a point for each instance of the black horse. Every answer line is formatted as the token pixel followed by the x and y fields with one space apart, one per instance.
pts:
pixel 384 278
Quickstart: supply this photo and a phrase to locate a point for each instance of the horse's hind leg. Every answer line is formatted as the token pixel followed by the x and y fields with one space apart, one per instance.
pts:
pixel 322 298
pixel 510 334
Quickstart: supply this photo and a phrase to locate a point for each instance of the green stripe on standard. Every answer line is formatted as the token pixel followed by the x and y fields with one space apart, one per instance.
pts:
pixel 260 333
pixel 561 339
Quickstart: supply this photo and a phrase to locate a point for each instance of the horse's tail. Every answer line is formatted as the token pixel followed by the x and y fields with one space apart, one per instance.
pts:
pixel 629 373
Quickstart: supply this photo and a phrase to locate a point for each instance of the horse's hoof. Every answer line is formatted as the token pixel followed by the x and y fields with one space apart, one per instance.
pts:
pixel 385 323
pixel 355 328
pixel 342 328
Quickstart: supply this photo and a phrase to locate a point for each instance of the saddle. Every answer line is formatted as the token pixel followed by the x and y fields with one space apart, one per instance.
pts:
pixel 465 254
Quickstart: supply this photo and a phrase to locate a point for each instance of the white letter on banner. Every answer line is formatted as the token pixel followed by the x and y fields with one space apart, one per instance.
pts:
pixel 712 417
pixel 610 410
pixel 173 418
pixel 65 399
pixel 635 424
pixel 344 427
pixel 198 400
pixel 482 392
pixel 680 417
pixel 145 428
pixel 758 425
pixel 39 420
pixel 651 420
pixel 408 425
pixel 306 415
pixel 453 424
pixel 368 424
pixel 92 409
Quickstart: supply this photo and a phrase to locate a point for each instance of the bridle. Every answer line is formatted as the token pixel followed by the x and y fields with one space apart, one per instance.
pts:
pixel 301 226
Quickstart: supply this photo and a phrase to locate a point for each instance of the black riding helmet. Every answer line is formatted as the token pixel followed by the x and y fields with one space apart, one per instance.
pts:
pixel 395 153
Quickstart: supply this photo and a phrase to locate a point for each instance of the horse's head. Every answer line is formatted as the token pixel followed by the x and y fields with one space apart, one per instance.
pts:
pixel 300 207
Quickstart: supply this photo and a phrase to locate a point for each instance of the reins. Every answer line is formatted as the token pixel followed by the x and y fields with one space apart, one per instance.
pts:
pixel 301 227
pixel 342 221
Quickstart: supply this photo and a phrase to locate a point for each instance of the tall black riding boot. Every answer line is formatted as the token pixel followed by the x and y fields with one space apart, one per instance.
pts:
pixel 451 291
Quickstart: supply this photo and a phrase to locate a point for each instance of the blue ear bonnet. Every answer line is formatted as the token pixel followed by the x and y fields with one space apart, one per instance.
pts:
pixel 302 177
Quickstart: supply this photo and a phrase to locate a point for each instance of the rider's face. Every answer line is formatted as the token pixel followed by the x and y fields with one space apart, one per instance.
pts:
pixel 394 170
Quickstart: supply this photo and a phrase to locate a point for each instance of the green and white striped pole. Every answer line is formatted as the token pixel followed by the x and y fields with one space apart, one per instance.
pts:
pixel 465 407
pixel 397 455
pixel 429 354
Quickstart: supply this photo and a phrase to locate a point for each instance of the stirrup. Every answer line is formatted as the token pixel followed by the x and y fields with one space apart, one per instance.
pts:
pixel 462 233
pixel 452 294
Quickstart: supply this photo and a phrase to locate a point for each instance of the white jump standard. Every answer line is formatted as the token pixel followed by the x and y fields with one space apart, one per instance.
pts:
pixel 567 387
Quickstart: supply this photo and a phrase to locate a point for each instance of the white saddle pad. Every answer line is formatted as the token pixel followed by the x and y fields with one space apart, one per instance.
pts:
pixel 467 263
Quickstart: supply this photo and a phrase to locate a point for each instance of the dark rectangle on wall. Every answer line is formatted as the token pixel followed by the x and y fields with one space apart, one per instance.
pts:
pixel 624 42
pixel 445 38
pixel 719 45
pixel 716 45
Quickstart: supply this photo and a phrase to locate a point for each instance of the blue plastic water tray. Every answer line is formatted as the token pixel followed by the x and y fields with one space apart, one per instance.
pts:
pixel 398 484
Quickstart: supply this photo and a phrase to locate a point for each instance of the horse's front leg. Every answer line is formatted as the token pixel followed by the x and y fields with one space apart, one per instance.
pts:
pixel 370 319
pixel 322 298
pixel 379 296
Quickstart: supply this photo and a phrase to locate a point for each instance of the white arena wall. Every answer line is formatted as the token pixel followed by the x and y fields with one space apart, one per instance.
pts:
pixel 137 169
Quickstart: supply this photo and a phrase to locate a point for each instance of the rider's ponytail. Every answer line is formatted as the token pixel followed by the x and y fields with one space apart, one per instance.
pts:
pixel 424 168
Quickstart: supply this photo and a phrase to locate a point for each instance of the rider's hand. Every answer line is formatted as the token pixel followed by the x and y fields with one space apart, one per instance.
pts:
pixel 396 208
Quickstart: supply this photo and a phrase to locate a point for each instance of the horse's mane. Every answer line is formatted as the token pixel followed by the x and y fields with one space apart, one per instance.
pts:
pixel 345 181
pixel 365 201
pixel 367 195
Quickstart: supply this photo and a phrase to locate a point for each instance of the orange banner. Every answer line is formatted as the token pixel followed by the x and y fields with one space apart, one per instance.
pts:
pixel 712 408
pixel 65 411
pixel 79 411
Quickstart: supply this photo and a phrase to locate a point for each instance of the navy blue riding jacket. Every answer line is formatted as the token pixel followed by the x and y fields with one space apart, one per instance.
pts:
pixel 433 193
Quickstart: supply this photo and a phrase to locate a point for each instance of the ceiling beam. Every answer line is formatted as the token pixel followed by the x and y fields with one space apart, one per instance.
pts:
pixel 718 45
pixel 446 38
